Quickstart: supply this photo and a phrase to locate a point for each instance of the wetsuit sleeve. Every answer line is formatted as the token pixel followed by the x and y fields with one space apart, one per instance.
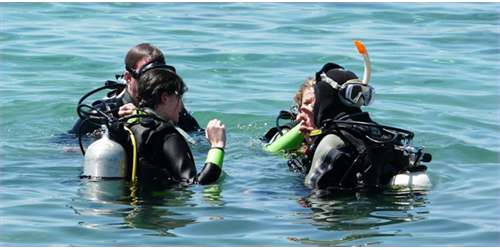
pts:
pixel 180 165
pixel 213 166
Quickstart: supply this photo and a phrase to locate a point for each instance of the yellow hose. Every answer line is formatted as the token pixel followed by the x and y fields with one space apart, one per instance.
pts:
pixel 134 163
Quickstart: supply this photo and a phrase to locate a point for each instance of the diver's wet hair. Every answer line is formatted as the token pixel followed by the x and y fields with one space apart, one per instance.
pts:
pixel 153 83
pixel 297 98
pixel 140 51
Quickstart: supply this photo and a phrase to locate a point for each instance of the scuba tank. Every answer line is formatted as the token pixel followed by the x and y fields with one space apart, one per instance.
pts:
pixel 105 159
pixel 415 175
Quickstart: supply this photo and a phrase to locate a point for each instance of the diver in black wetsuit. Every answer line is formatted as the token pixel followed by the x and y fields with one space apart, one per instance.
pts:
pixel 352 151
pixel 349 150
pixel 122 100
pixel 163 156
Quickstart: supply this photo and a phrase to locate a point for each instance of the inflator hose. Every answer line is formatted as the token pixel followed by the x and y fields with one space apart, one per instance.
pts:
pixel 134 160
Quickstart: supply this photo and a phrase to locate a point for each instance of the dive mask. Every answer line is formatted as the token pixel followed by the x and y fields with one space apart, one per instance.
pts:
pixel 353 93
pixel 354 90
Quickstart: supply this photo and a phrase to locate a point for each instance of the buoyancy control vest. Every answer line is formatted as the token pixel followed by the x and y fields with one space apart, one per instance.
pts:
pixel 146 132
pixel 372 156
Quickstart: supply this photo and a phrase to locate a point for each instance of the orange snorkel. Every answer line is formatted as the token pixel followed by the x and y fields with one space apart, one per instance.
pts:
pixel 366 57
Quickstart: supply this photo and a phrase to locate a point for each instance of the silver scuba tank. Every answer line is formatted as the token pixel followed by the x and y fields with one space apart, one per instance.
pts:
pixel 105 158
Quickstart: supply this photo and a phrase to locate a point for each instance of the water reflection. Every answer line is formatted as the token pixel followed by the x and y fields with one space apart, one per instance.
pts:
pixel 362 214
pixel 140 209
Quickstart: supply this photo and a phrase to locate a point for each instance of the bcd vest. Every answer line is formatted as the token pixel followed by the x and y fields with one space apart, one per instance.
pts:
pixel 146 132
pixel 369 159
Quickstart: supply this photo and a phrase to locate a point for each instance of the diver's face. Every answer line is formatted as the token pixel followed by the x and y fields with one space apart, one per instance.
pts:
pixel 308 99
pixel 131 81
pixel 170 107
pixel 307 105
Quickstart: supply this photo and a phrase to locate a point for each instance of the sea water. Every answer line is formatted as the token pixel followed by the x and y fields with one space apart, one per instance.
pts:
pixel 435 68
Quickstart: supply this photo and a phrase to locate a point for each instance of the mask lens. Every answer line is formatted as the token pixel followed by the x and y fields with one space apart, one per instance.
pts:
pixel 370 96
pixel 356 91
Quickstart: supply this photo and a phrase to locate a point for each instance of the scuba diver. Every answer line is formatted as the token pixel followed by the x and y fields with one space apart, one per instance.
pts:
pixel 287 137
pixel 156 152
pixel 122 99
pixel 350 150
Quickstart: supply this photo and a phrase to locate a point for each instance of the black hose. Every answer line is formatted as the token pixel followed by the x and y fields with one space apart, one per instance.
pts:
pixel 282 115
pixel 97 117
pixel 113 85
pixel 104 117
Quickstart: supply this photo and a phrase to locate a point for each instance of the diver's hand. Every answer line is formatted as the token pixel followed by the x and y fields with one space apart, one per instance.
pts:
pixel 216 134
pixel 306 127
pixel 126 109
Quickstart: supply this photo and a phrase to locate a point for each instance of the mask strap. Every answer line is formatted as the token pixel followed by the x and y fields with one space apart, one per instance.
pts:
pixel 330 81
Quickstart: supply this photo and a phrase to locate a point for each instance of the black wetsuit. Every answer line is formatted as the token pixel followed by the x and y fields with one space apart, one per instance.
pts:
pixel 164 157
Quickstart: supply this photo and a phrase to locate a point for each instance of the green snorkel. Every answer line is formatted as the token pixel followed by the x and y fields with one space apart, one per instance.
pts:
pixel 290 140
pixel 366 58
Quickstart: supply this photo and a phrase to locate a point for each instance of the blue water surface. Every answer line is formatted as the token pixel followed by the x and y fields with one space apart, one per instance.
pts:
pixel 435 67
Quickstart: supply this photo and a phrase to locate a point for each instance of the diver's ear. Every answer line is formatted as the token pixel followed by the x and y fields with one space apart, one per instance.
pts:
pixel 164 97
pixel 127 76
